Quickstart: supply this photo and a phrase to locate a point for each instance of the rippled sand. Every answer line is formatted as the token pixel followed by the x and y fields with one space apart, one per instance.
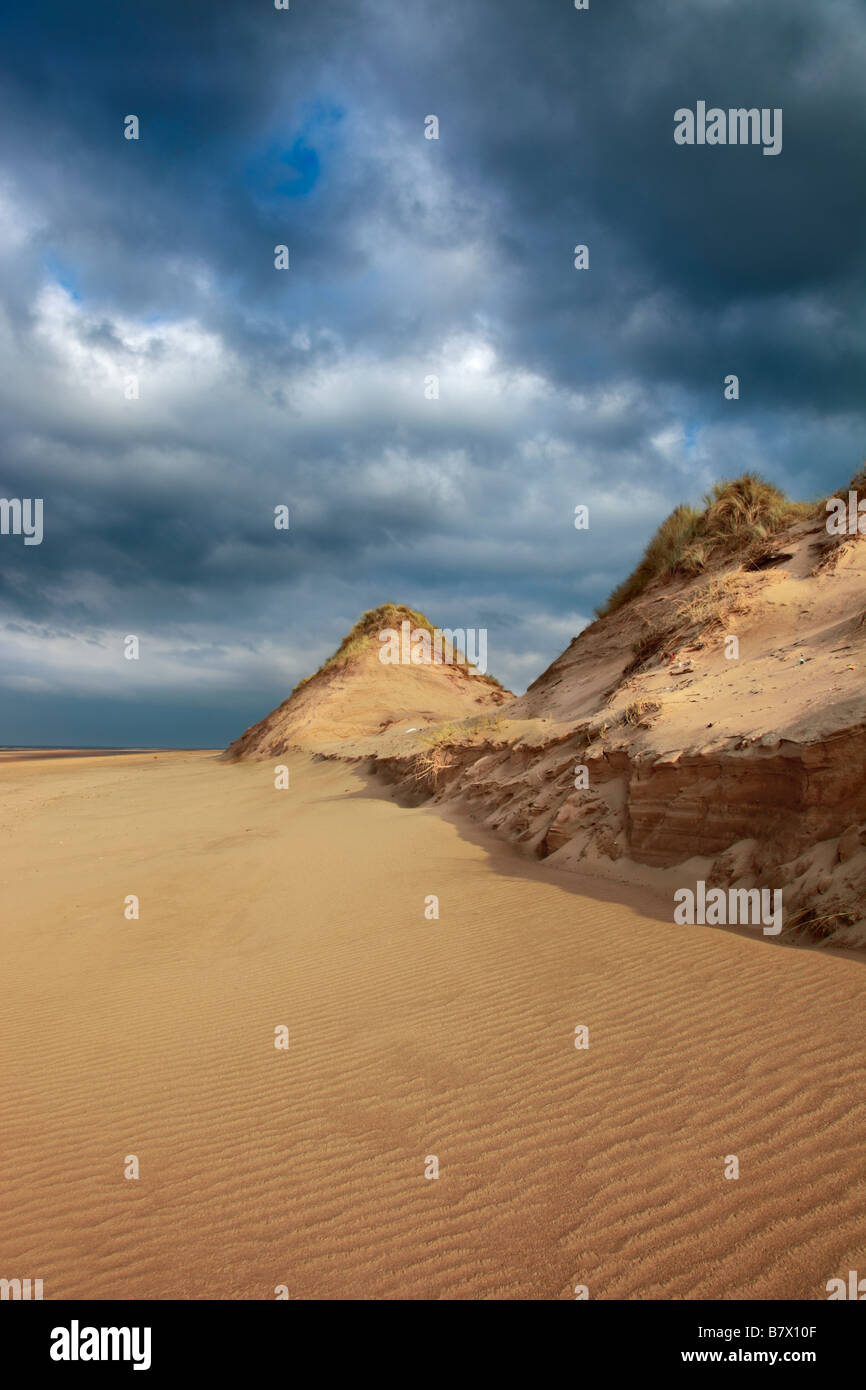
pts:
pixel 408 1038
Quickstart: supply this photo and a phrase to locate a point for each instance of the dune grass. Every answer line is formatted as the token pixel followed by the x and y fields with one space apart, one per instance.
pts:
pixel 737 516
pixel 832 547
pixel 640 712
pixel 705 611
pixel 374 621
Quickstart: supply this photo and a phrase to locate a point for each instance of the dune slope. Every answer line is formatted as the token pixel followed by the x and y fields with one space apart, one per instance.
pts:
pixel 355 700
pixel 720 721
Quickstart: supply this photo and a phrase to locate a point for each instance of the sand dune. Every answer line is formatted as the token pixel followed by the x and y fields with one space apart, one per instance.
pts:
pixel 408 1038
pixel 355 702
pixel 710 724
pixel 747 761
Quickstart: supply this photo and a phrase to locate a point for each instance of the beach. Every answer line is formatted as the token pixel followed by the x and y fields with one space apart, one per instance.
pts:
pixel 301 1170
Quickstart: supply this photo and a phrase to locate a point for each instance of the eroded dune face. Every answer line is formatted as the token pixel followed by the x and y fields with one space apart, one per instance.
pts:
pixel 721 720
pixel 717 721
pixel 390 678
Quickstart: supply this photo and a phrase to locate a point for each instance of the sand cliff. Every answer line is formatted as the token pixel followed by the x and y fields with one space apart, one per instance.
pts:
pixel 654 741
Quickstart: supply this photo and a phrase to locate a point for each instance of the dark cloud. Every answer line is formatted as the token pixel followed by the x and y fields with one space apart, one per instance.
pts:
pixel 409 258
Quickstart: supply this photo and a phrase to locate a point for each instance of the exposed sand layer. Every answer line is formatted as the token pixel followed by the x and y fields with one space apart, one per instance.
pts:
pixel 408 1038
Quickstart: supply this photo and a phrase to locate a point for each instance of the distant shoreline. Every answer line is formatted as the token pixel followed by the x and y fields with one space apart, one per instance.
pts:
pixel 10 753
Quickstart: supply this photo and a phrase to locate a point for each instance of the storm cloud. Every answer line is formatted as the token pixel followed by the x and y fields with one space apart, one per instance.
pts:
pixel 152 260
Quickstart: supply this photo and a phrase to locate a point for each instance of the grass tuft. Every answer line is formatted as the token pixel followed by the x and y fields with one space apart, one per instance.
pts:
pixel 640 711
pixel 704 611
pixel 373 622
pixel 739 515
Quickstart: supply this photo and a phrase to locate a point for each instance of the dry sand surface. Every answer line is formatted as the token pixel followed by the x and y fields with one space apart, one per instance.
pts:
pixel 408 1038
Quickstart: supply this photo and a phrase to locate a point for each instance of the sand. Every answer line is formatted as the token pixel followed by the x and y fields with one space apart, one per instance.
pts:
pixel 749 769
pixel 408 1038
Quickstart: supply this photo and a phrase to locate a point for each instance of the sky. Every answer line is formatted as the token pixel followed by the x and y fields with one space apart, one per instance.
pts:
pixel 148 265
